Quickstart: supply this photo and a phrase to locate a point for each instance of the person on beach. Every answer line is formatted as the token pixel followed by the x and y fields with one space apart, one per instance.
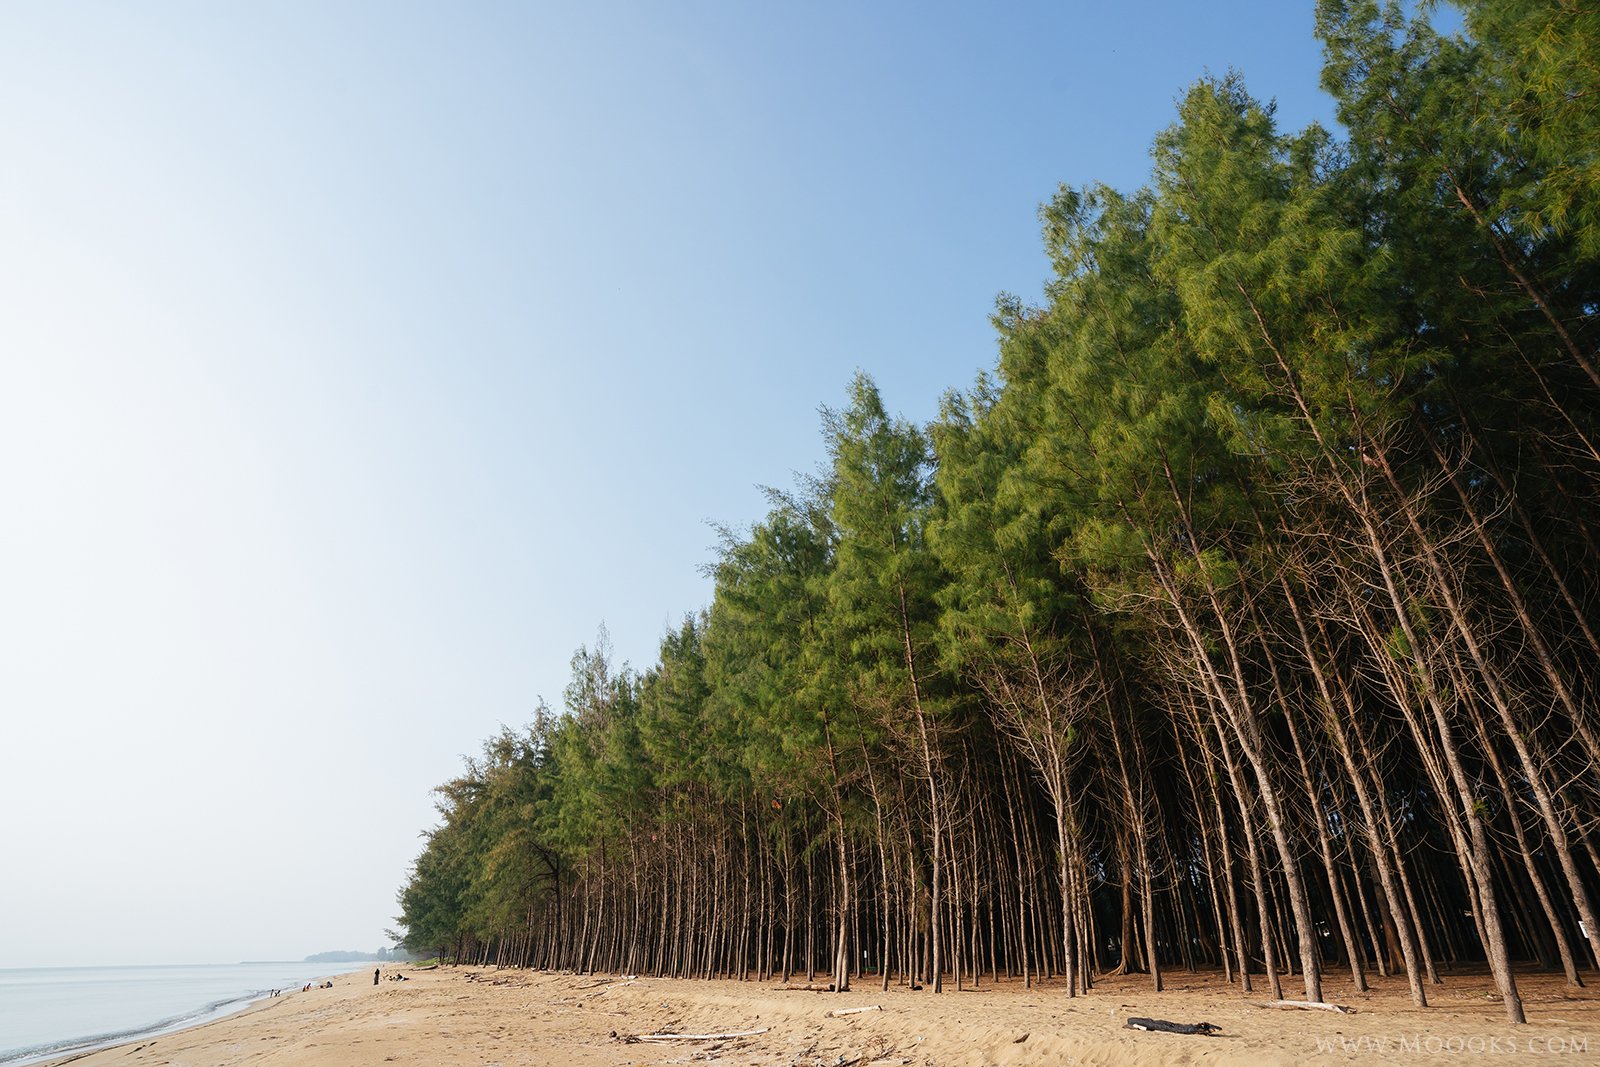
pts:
pixel 375 971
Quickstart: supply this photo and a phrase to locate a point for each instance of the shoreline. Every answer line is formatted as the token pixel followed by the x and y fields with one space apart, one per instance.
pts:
pixel 72 1050
pixel 482 1017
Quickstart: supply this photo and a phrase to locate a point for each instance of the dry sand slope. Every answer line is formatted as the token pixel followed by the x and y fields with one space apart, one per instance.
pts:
pixel 486 1018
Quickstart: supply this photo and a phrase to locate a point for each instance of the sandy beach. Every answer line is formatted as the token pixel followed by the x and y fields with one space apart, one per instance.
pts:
pixel 488 1018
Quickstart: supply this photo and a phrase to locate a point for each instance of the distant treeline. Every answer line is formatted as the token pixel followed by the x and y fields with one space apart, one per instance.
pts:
pixel 1245 618
pixel 397 953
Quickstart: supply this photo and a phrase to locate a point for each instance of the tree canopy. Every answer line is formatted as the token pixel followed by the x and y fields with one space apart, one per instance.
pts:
pixel 1243 615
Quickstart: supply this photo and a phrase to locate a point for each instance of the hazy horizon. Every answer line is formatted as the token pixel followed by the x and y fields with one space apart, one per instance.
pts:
pixel 180 963
pixel 360 361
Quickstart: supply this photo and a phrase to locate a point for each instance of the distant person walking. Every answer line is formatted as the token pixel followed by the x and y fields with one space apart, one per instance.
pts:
pixel 375 971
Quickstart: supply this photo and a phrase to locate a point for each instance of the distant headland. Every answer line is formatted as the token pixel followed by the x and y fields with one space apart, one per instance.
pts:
pixel 358 957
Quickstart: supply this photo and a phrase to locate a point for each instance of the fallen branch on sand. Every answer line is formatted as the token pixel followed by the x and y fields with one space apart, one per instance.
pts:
pixel 803 988
pixel 609 988
pixel 1305 1005
pixel 1161 1025
pixel 635 1038
pixel 853 1011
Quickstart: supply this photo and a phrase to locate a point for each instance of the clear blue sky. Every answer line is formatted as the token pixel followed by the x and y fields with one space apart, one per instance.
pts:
pixel 357 360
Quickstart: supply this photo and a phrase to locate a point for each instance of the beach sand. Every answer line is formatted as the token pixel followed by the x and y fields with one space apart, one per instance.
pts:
pixel 475 1017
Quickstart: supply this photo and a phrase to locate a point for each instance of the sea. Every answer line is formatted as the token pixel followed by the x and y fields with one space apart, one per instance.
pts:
pixel 56 1011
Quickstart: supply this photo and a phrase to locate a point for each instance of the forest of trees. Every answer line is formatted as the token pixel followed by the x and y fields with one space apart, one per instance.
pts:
pixel 1245 617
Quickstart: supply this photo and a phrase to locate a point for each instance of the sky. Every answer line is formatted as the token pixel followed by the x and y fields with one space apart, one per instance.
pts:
pixel 358 361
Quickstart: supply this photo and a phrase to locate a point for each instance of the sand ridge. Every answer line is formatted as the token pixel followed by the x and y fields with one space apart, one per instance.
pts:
pixel 477 1017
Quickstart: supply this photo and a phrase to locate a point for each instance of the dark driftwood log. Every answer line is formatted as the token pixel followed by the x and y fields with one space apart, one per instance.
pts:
pixel 1162 1026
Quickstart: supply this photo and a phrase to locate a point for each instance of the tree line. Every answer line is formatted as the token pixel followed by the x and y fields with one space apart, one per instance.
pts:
pixel 1244 617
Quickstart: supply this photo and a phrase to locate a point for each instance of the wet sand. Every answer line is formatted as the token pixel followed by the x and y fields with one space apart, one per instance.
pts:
pixel 474 1017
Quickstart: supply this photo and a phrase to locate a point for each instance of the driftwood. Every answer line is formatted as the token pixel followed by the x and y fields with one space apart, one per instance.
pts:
pixel 1305 1005
pixel 635 1038
pixel 835 1013
pixel 608 981
pixel 1162 1026
pixel 607 989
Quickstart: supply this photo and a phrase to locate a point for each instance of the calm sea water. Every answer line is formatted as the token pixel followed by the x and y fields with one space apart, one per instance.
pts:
pixel 50 1011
